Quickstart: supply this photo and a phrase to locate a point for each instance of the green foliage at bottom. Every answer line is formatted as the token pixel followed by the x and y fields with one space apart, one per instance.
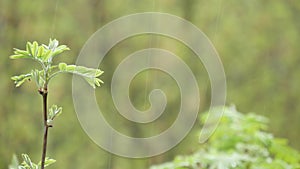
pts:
pixel 240 142
pixel 27 163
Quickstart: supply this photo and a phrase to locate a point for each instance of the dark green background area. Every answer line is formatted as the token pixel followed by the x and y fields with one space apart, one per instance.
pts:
pixel 258 43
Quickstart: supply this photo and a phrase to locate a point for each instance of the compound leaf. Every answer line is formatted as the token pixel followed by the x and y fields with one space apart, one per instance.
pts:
pixel 55 48
pixel 19 80
pixel 20 54
pixel 54 111
pixel 28 163
pixel 89 74
pixel 42 53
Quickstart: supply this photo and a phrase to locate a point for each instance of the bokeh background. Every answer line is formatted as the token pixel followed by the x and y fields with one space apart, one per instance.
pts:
pixel 258 43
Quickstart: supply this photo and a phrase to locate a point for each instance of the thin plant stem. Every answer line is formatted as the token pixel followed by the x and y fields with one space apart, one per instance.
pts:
pixel 44 94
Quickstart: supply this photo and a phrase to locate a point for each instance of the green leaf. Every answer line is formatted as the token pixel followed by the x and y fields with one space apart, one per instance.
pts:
pixel 40 51
pixel 90 81
pixel 28 48
pixel 71 68
pixel 28 163
pixel 55 48
pixel 54 111
pixel 59 50
pixel 19 80
pixel 20 54
pixel 27 160
pixel 14 163
pixel 48 161
pixel 34 49
pixel 19 51
pixel 53 44
pixel 38 77
pixel 62 66
pixel 30 52
pixel 47 54
pixel 98 82
pixel 89 74
pixel 281 150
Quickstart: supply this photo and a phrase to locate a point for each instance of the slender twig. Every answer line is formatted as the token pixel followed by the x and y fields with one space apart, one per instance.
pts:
pixel 44 94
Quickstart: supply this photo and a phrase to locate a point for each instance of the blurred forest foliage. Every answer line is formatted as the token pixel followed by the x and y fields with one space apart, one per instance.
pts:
pixel 258 42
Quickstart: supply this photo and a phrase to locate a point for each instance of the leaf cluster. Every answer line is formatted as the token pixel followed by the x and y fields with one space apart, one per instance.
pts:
pixel 28 164
pixel 44 54
pixel 241 142
pixel 54 111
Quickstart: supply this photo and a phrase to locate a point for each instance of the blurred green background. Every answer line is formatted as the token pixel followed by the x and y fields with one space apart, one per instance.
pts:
pixel 258 43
